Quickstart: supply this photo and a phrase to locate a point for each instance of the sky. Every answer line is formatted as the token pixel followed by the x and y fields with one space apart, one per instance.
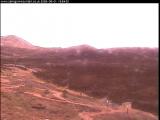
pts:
pixel 98 25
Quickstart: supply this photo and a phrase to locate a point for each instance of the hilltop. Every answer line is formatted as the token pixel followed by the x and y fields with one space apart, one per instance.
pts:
pixel 15 41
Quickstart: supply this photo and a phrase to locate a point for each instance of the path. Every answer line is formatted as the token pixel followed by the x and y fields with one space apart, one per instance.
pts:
pixel 83 115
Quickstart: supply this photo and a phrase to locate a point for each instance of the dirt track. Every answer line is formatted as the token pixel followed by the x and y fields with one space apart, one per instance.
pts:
pixel 83 115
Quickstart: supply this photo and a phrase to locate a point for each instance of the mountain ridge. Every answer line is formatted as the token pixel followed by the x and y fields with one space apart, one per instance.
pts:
pixel 13 40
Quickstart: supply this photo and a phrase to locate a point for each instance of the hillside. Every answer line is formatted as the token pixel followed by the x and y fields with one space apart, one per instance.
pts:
pixel 26 97
pixel 121 74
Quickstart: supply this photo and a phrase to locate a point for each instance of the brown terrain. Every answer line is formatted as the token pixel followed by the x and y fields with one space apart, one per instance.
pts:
pixel 72 83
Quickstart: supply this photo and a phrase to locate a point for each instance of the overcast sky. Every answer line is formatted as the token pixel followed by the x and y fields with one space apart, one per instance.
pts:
pixel 99 25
